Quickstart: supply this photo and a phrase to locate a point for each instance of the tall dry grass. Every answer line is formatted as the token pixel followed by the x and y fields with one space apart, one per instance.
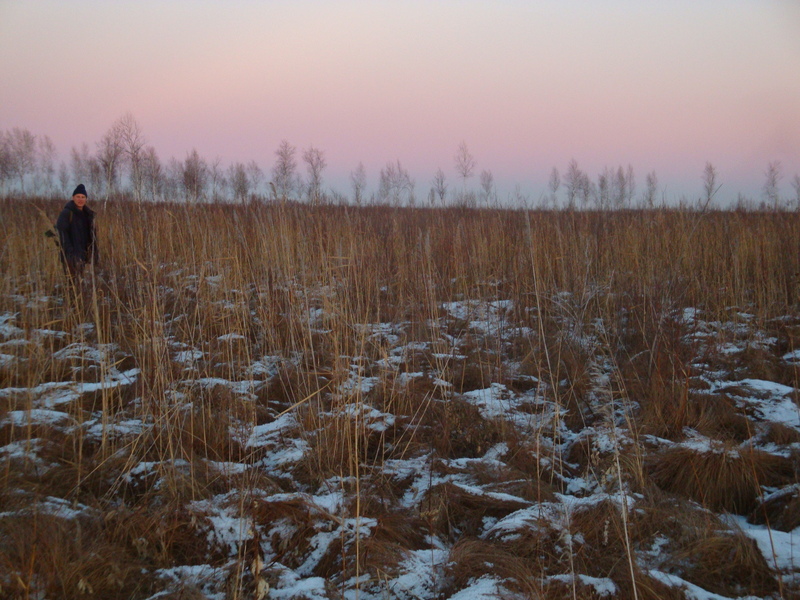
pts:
pixel 239 283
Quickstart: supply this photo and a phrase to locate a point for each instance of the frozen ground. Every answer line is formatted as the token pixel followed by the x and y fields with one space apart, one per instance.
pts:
pixel 288 520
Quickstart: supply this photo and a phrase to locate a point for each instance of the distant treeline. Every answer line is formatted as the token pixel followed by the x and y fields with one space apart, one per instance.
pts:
pixel 123 165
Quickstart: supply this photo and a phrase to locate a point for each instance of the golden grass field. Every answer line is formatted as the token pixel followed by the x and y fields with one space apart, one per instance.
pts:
pixel 294 401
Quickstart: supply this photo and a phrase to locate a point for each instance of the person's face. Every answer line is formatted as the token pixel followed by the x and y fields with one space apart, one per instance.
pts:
pixel 79 200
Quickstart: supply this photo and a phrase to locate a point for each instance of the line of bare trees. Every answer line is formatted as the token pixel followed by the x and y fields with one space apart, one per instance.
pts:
pixel 122 164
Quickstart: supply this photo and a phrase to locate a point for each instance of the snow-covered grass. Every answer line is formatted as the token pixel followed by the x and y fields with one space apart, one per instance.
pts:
pixel 288 401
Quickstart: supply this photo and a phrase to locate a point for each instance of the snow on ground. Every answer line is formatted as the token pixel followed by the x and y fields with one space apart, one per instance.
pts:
pixel 317 514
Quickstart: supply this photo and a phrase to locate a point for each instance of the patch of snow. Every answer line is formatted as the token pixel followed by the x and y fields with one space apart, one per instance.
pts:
pixel 420 572
pixel 7 330
pixel 690 590
pixel 773 401
pixel 188 357
pixel 406 378
pixel 603 586
pixel 209 580
pixel 266 433
pixel 230 337
pixel 227 530
pixel 781 549
pixel 357 384
pixel 268 365
pixel 228 468
pixel 57 507
pixel 769 388
pixel 290 586
pixel 485 588
pixel 690 315
pixel 492 401
pixel 130 427
pixel 36 416
pixel 37 333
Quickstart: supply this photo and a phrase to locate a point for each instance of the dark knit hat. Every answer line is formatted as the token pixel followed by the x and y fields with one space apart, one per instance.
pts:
pixel 80 190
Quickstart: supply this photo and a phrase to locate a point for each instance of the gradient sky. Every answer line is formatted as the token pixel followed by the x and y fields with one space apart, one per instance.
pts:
pixel 661 85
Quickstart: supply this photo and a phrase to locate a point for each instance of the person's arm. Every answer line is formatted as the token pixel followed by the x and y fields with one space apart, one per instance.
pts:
pixel 65 239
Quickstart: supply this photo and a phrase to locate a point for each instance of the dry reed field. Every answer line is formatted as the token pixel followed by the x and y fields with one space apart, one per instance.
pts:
pixel 299 402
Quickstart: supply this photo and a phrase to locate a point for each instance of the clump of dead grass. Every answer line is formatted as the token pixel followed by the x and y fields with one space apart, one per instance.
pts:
pixel 729 564
pixel 453 511
pixel 722 478
pixel 780 510
pixel 71 558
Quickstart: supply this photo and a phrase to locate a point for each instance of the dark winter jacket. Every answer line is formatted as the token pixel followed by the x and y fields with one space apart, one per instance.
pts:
pixel 76 234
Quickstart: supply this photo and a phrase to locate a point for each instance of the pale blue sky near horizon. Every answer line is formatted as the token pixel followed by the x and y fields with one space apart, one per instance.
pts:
pixel 664 86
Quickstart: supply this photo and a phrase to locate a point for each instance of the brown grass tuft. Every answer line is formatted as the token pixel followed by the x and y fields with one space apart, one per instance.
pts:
pixel 453 511
pixel 729 565
pixel 470 558
pixel 780 434
pixel 781 510
pixel 71 558
pixel 725 478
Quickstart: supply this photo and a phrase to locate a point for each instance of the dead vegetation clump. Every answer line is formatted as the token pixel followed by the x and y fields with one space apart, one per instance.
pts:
pixel 679 409
pixel 779 510
pixel 72 558
pixel 455 511
pixel 457 429
pixel 722 478
pixel 472 558
pixel 729 564
pixel 780 434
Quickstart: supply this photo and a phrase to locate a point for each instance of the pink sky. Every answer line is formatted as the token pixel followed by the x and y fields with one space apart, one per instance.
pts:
pixel 662 86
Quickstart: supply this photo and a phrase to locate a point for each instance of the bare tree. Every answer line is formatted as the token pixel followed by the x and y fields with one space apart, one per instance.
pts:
pixel 553 184
pixel 152 173
pixel 771 190
pixel 47 156
pixel 396 185
pixel 109 155
pixel 239 182
pixel 6 163
pixel 87 168
pixel 216 178
pixel 710 187
pixel 630 186
pixel 465 164
pixel 585 189
pixel 573 181
pixel 133 144
pixel 96 177
pixel 796 188
pixel 173 179
pixel 78 159
pixel 488 194
pixel 651 190
pixel 284 175
pixel 255 175
pixel 315 164
pixel 358 179
pixel 22 144
pixel 619 189
pixel 603 190
pixel 63 176
pixel 439 187
pixel 194 176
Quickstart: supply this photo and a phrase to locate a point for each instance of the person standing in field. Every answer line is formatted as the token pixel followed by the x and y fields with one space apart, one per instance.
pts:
pixel 76 234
